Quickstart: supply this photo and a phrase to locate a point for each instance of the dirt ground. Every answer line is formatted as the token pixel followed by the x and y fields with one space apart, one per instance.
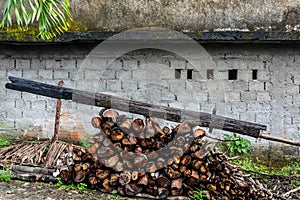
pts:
pixel 21 190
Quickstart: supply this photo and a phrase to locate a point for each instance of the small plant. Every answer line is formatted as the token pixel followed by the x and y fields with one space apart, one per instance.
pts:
pixel 81 187
pixel 4 143
pixel 5 175
pixel 85 142
pixel 199 194
pixel 116 196
pixel 237 144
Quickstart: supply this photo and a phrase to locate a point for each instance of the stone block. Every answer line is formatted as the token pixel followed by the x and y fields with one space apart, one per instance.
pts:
pixel 61 75
pixel 248 116
pixel 256 86
pixel 240 85
pixel 6 63
pixel 263 96
pixel 30 74
pixel 177 85
pixel 113 85
pixel 45 74
pixel 129 85
pixel 53 64
pixel 69 64
pixel 263 118
pixel 239 107
pixel 38 64
pixel 232 96
pixel 123 75
pixel 248 96
pixel 23 64
pixel 13 72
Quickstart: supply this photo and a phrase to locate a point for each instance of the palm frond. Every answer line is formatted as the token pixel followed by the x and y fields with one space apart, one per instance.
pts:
pixel 52 15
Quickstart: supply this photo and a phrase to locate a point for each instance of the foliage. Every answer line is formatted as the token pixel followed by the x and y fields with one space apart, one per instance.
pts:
pixel 80 187
pixel 4 142
pixel 237 144
pixel 85 142
pixel 248 164
pixel 199 194
pixel 5 175
pixel 52 16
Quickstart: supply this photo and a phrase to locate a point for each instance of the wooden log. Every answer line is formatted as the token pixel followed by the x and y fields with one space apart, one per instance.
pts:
pixel 96 122
pixel 164 112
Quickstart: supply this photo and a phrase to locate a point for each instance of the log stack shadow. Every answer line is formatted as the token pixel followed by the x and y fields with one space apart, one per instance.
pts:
pixel 134 157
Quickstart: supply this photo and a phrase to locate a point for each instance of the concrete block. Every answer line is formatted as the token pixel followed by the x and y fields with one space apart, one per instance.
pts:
pixel 263 118
pixel 200 96
pixel 61 75
pixel 115 65
pixel 17 73
pixel 232 96
pixel 240 85
pixel 244 74
pixel 69 64
pixel 144 84
pixel 123 75
pixel 192 106
pixel 207 107
pixel 291 110
pixel 177 85
pixel 263 96
pixel 23 64
pixel 292 89
pixel 129 85
pixel 296 99
pixel 216 96
pixel 256 106
pixel 248 96
pixel 239 107
pixel 53 64
pixel 263 76
pixel 248 116
pixel 108 74
pixel 129 65
pixel 38 64
pixel 30 74
pixel 176 104
pixel 3 74
pixel 45 74
pixel 213 85
pixel 256 86
pixel 92 74
pixel 113 85
pixel 6 63
pixel 38 105
pixel 178 64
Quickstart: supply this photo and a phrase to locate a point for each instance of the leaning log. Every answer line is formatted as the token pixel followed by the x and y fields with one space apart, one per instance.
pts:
pixel 132 106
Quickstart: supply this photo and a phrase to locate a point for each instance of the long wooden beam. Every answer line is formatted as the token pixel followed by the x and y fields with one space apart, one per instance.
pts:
pixel 138 107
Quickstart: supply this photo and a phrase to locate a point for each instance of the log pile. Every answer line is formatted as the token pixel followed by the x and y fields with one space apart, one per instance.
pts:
pixel 133 157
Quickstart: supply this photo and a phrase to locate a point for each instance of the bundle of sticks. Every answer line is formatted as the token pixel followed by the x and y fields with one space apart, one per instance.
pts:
pixel 133 157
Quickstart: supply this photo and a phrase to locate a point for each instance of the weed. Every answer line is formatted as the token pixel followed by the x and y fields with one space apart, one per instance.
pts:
pixel 199 194
pixel 296 183
pixel 116 196
pixel 85 142
pixel 80 187
pixel 4 143
pixel 237 144
pixel 5 175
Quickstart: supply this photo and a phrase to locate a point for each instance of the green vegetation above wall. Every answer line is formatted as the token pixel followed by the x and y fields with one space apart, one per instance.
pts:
pixel 51 16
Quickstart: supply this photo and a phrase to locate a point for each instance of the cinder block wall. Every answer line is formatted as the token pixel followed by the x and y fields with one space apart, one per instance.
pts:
pixel 253 82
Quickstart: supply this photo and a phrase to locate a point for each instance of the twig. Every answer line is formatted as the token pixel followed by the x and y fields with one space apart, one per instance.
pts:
pixel 291 191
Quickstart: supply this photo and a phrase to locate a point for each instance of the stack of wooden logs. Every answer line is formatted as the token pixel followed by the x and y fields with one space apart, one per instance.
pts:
pixel 133 157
